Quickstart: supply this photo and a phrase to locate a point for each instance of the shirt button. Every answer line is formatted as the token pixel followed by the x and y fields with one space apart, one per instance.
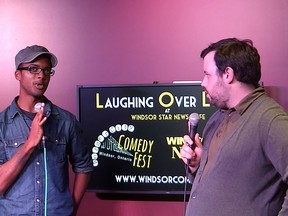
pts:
pixel 37 163
pixel 38 182
pixel 194 196
pixel 37 200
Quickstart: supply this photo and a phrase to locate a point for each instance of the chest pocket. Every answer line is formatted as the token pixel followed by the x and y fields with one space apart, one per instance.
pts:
pixel 57 148
pixel 12 146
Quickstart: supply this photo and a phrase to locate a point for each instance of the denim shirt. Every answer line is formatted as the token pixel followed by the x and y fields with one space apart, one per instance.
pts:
pixel 63 143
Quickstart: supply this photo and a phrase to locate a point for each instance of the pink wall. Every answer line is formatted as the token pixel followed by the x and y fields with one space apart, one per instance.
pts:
pixel 128 41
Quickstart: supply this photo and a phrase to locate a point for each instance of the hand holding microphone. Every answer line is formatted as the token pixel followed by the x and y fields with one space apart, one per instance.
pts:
pixel 36 131
pixel 39 109
pixel 193 125
pixel 192 148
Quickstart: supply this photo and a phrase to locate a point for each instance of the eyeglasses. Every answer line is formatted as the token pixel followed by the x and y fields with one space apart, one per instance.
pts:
pixel 37 70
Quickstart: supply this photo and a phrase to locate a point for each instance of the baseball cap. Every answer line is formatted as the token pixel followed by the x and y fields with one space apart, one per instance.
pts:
pixel 30 53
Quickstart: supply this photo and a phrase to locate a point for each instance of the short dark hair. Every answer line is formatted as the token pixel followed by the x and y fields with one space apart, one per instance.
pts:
pixel 240 55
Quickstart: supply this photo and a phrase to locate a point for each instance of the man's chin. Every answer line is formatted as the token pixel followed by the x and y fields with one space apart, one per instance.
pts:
pixel 38 96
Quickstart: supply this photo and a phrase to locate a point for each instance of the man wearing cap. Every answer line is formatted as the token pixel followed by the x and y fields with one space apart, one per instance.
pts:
pixel 36 145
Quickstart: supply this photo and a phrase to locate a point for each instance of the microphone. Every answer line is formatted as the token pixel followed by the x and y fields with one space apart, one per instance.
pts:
pixel 37 108
pixel 193 123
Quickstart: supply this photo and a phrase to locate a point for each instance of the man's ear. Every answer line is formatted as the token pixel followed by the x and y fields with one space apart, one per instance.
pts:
pixel 228 75
pixel 18 74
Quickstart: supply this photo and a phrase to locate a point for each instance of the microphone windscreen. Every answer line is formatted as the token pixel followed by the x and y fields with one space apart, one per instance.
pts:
pixel 37 107
pixel 194 119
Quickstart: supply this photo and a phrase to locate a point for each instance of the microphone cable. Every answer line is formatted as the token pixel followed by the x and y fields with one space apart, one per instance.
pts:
pixel 45 175
pixel 185 187
pixel 22 114
pixel 37 107
pixel 193 124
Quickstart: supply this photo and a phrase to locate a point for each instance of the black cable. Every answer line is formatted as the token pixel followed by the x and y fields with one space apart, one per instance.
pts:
pixel 185 187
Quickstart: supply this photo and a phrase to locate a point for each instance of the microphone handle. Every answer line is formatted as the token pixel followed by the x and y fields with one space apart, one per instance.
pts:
pixel 192 133
pixel 44 141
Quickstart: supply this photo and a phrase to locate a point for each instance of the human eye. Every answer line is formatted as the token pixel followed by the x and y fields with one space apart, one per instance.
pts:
pixel 47 71
pixel 33 69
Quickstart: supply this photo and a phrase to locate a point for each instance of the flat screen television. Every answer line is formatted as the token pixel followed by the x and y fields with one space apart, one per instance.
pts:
pixel 135 132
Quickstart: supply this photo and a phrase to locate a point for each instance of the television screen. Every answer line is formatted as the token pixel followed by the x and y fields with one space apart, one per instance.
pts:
pixel 135 133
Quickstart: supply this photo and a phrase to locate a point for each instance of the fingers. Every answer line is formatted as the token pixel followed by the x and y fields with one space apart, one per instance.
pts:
pixel 40 115
pixel 186 153
pixel 188 140
pixel 197 141
pixel 191 155
pixel 41 123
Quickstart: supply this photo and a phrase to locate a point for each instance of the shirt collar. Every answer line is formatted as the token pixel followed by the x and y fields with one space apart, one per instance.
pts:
pixel 243 105
pixel 249 99
pixel 14 109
